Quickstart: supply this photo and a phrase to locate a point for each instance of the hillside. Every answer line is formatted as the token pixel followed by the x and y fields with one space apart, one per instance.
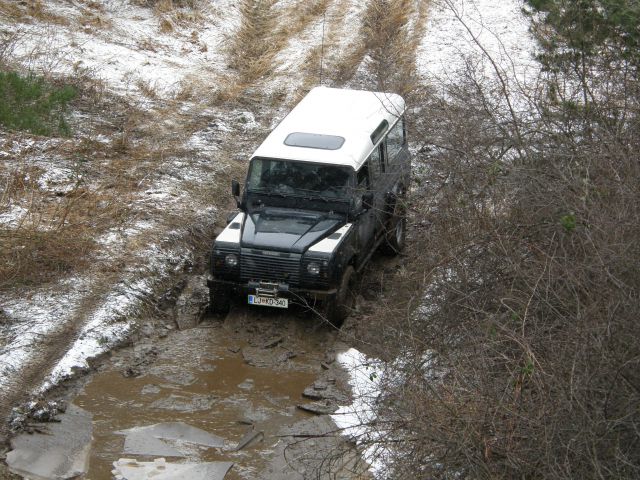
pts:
pixel 516 309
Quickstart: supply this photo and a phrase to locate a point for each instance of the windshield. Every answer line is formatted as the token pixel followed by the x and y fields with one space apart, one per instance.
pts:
pixel 304 179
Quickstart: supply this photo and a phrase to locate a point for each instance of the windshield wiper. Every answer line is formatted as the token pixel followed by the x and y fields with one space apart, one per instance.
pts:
pixel 269 192
pixel 314 197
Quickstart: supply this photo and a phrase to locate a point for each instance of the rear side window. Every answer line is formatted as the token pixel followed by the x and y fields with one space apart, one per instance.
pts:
pixel 395 139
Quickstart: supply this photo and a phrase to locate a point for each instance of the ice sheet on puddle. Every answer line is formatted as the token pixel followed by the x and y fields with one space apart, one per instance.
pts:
pixel 128 469
pixel 61 453
pixel 140 443
pixel 173 431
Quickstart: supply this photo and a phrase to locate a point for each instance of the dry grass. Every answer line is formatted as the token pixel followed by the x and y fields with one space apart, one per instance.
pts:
pixel 147 44
pixel 94 20
pixel 30 9
pixel 196 86
pixel 147 89
pixel 254 45
pixel 392 43
pixel 389 36
pixel 322 62
pixel 174 13
pixel 298 17
pixel 56 233
pixel 13 10
pixel 264 31
pixel 167 5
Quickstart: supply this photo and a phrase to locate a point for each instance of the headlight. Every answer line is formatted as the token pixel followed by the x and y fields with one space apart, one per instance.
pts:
pixel 231 260
pixel 313 268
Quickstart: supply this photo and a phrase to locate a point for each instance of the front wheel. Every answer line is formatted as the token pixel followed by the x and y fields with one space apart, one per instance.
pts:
pixel 344 302
pixel 219 300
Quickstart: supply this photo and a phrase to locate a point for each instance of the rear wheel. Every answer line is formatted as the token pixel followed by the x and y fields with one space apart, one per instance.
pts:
pixel 219 299
pixel 396 235
pixel 344 302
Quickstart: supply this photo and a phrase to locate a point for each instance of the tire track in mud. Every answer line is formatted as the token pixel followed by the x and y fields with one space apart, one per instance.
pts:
pixel 382 55
pixel 30 375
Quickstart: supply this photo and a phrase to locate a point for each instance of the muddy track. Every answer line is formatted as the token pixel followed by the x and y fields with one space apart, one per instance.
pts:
pixel 227 376
pixel 255 370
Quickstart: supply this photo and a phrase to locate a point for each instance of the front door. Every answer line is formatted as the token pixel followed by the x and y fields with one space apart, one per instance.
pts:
pixel 367 219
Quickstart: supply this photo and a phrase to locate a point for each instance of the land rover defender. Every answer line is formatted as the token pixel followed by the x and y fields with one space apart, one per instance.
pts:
pixel 323 191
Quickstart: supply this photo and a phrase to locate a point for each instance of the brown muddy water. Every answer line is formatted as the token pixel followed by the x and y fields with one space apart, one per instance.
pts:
pixel 227 378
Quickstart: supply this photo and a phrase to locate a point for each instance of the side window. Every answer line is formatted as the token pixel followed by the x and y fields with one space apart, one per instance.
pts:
pixel 363 178
pixel 363 184
pixel 395 139
pixel 256 173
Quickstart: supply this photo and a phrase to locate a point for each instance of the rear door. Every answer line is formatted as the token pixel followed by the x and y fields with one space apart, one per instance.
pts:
pixel 381 183
pixel 397 161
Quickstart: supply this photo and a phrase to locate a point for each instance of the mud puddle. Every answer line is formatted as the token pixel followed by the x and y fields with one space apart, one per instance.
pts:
pixel 246 373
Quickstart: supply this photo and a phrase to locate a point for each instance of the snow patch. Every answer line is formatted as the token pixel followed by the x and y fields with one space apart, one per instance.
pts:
pixel 456 29
pixel 13 217
pixel 127 49
pixel 354 420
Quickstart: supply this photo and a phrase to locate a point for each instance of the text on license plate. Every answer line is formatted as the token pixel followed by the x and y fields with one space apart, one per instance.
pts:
pixel 269 301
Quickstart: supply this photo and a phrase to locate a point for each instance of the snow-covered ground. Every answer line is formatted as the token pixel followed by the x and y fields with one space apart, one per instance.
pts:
pixel 355 420
pixel 125 46
pixel 478 35
pixel 131 52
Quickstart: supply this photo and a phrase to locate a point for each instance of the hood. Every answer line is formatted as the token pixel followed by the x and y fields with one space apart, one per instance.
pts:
pixel 286 230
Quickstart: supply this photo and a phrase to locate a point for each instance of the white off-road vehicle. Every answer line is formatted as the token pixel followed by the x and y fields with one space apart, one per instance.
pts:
pixel 323 191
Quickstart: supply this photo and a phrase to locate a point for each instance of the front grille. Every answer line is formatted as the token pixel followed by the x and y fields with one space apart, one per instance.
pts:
pixel 269 266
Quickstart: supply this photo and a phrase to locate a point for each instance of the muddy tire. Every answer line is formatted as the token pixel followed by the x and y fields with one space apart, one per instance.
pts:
pixel 219 300
pixel 335 312
pixel 396 236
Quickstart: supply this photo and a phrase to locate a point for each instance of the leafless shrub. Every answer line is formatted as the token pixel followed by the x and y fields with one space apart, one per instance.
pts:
pixel 8 42
pixel 520 343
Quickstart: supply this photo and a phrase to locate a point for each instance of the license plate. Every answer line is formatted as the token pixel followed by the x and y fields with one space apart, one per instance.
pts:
pixel 268 301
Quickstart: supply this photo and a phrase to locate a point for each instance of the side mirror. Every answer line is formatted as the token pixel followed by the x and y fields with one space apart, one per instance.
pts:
pixel 367 200
pixel 235 188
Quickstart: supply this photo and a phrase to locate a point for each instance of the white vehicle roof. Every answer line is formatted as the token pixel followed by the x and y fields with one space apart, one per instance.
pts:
pixel 350 114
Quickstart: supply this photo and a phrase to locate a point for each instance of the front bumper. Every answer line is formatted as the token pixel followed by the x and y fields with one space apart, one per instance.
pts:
pixel 299 296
